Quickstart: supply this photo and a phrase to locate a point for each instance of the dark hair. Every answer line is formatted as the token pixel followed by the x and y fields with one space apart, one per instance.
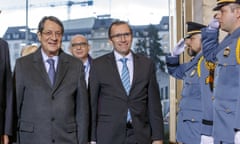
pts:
pixel 118 22
pixel 51 18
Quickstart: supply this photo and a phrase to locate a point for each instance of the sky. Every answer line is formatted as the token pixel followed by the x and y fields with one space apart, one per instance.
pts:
pixel 137 12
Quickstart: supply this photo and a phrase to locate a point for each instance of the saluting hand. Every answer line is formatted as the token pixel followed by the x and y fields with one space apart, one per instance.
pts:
pixel 214 24
pixel 179 48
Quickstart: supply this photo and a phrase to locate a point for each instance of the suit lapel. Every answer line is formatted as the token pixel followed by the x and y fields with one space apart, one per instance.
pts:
pixel 136 69
pixel 62 68
pixel 39 65
pixel 115 71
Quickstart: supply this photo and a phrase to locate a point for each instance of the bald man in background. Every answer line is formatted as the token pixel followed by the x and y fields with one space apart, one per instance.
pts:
pixel 79 47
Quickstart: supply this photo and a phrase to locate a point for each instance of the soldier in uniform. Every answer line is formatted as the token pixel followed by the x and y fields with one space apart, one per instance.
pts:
pixel 190 106
pixel 227 72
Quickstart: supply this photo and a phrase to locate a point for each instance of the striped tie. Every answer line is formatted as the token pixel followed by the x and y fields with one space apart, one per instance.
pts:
pixel 126 81
pixel 125 75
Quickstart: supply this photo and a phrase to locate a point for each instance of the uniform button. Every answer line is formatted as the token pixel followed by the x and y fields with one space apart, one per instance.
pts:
pixel 225 64
pixel 193 119
pixel 52 119
pixel 227 110
pixel 212 97
pixel 53 140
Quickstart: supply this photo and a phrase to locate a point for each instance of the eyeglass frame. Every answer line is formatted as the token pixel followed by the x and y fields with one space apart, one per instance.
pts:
pixel 120 35
pixel 81 44
pixel 50 33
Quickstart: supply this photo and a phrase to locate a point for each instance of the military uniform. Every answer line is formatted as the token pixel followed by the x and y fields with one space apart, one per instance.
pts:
pixel 226 82
pixel 190 109
pixel 190 106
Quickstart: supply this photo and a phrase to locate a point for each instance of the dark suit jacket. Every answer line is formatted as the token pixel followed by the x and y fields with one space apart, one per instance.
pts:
pixel 49 114
pixel 6 101
pixel 109 102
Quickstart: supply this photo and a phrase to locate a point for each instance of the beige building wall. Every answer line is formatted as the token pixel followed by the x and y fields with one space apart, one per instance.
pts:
pixel 182 11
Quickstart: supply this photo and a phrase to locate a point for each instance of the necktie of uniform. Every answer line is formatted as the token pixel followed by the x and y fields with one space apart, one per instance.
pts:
pixel 125 77
pixel 51 70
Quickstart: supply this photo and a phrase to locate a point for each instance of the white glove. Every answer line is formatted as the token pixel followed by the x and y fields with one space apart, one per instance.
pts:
pixel 237 137
pixel 214 24
pixel 179 48
pixel 206 139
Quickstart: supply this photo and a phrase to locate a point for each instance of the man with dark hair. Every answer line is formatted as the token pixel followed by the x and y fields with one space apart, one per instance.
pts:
pixel 125 100
pixel 52 99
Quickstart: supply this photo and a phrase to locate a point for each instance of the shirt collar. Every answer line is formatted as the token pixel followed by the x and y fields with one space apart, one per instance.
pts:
pixel 119 56
pixel 45 57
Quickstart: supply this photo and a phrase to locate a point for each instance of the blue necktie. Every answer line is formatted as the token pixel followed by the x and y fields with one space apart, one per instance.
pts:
pixel 51 70
pixel 125 77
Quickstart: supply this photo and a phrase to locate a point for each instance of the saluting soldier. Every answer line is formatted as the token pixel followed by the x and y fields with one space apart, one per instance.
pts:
pixel 190 109
pixel 227 72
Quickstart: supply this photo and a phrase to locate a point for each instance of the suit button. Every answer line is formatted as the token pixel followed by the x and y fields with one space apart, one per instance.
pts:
pixel 52 119
pixel 53 97
pixel 53 140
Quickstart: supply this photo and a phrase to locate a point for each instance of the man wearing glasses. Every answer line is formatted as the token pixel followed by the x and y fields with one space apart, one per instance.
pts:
pixel 52 99
pixel 79 48
pixel 125 100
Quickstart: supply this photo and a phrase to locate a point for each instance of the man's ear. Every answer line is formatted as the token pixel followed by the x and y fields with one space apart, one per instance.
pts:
pixel 39 36
pixel 110 41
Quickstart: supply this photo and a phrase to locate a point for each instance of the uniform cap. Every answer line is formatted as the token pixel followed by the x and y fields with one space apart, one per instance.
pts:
pixel 193 28
pixel 221 3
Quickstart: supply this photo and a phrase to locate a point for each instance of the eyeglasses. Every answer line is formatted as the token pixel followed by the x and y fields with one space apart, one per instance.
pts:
pixel 51 33
pixel 81 44
pixel 125 35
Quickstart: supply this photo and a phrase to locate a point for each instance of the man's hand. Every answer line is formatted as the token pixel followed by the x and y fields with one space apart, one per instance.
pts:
pixel 214 24
pixel 4 139
pixel 206 139
pixel 179 48
pixel 157 142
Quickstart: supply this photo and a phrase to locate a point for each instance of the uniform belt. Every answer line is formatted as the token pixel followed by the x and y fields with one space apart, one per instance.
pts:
pixel 129 125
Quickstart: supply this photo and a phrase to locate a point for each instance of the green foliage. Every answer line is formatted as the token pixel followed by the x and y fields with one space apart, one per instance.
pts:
pixel 149 45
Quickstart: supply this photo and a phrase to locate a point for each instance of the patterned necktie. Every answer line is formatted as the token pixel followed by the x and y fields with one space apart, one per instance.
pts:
pixel 51 70
pixel 125 77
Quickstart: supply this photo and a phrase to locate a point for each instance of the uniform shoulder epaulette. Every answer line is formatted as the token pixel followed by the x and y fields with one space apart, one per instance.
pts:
pixel 238 51
pixel 199 66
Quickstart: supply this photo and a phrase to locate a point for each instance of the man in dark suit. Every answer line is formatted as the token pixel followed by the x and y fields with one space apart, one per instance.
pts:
pixel 120 115
pixel 79 47
pixel 6 99
pixel 52 100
